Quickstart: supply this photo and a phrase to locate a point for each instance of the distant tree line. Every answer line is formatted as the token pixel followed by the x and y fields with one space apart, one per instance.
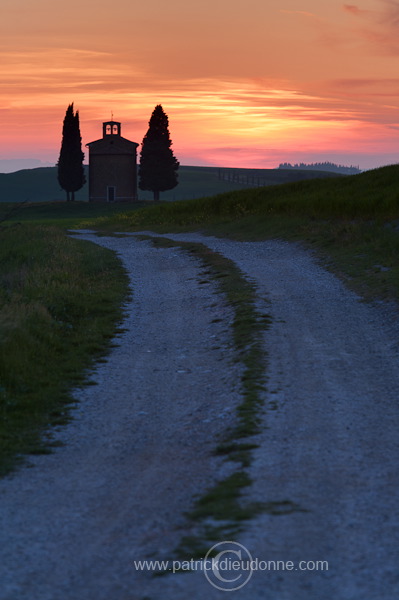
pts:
pixel 324 166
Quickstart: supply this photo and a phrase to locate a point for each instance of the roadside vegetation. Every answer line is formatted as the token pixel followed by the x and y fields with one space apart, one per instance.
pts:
pixel 61 214
pixel 60 302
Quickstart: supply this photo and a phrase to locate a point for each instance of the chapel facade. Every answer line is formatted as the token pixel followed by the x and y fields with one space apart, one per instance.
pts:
pixel 112 166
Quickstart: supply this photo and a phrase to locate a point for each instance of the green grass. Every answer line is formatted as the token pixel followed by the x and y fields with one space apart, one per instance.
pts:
pixel 60 302
pixel 63 214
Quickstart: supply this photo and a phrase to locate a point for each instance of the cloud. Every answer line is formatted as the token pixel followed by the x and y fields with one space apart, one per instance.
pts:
pixel 355 10
pixel 390 15
pixel 302 13
pixel 379 27
pixel 230 112
pixel 204 112
pixel 384 85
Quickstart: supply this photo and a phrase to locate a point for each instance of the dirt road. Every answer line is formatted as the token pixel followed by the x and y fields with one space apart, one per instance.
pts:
pixel 140 446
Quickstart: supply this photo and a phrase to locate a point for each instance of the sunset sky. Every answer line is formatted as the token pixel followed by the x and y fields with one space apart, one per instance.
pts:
pixel 245 83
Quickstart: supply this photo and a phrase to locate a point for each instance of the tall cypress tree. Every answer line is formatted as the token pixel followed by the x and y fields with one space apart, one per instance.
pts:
pixel 71 175
pixel 158 165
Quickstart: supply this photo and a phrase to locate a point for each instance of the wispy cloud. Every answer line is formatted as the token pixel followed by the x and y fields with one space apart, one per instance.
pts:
pixel 226 111
pixel 302 13
pixel 390 14
pixel 378 27
pixel 353 9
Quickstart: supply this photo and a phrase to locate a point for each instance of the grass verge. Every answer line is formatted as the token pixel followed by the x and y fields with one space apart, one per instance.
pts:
pixel 60 302
pixel 62 214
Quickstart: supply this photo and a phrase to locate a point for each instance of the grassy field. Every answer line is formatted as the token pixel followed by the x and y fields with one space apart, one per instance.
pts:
pixel 369 195
pixel 60 302
pixel 63 214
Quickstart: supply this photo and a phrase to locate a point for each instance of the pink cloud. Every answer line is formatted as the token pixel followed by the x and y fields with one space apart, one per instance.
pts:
pixel 355 10
pixel 379 27
pixel 302 13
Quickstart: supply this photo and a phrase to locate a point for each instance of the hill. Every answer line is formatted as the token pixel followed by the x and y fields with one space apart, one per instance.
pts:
pixel 34 185
pixel 369 195
pixel 41 185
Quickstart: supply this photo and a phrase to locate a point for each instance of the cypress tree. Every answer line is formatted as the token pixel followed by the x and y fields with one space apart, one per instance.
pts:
pixel 71 175
pixel 158 165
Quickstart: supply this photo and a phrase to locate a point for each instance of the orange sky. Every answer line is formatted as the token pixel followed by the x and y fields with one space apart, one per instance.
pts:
pixel 244 83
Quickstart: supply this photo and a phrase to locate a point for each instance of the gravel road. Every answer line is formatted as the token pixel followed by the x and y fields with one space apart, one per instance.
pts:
pixel 140 446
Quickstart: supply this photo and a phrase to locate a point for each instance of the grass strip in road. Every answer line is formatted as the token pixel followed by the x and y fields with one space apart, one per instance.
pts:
pixel 247 328
pixel 60 303
pixel 220 512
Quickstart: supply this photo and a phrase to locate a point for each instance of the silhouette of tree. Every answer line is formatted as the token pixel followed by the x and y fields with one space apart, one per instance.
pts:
pixel 71 175
pixel 158 165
